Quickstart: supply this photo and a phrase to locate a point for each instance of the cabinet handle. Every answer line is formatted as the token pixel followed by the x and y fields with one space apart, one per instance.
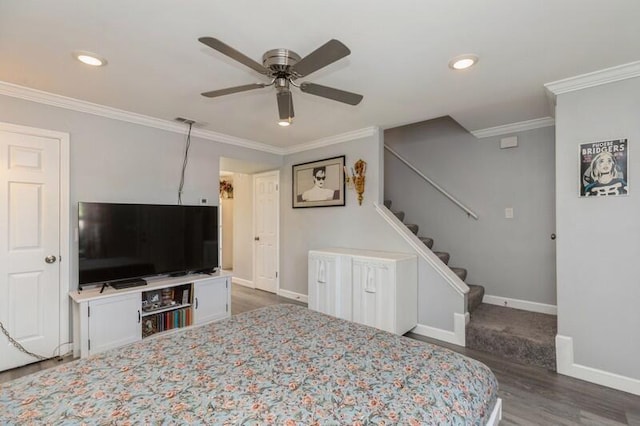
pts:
pixel 139 316
pixel 369 290
pixel 196 303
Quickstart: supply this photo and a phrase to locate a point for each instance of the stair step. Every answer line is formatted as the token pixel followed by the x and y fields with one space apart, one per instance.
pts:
pixel 427 241
pixel 387 203
pixel 520 336
pixel 412 227
pixel 474 298
pixel 399 215
pixel 460 272
pixel 442 256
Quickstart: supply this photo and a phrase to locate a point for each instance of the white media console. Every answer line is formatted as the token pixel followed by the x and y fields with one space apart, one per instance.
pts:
pixel 108 318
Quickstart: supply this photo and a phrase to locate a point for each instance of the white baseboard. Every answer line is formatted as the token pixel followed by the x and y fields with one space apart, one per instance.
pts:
pixel 457 336
pixel 295 296
pixel 566 366
pixel 520 304
pixel 242 282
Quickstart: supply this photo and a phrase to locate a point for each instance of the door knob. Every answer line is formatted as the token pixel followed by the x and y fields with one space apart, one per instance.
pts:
pixel 257 238
pixel 553 236
pixel 50 259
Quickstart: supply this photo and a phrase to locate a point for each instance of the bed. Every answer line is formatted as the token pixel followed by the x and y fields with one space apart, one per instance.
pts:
pixel 282 364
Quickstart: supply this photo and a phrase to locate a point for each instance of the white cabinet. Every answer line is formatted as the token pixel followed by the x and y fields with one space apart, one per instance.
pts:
pixel 329 289
pixel 379 289
pixel 109 318
pixel 211 300
pixel 113 322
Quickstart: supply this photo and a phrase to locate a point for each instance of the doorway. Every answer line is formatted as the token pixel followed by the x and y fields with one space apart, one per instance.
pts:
pixel 239 228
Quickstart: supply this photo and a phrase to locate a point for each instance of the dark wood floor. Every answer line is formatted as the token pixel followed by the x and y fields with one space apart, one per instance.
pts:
pixel 530 395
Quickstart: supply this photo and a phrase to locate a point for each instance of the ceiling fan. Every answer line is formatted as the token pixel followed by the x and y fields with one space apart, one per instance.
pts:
pixel 284 67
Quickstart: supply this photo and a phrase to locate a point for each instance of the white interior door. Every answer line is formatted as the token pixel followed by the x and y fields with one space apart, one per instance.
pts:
pixel 266 234
pixel 30 289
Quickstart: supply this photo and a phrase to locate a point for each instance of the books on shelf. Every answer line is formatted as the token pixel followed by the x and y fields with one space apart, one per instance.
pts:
pixel 166 321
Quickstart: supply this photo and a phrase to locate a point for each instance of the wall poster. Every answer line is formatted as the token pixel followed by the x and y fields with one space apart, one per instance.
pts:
pixel 319 183
pixel 604 168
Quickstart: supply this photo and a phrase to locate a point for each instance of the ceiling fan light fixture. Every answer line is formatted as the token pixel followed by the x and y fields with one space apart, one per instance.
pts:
pixel 89 58
pixel 463 62
pixel 286 122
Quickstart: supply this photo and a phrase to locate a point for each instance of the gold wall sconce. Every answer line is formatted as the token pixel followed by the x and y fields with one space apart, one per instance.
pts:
pixel 356 179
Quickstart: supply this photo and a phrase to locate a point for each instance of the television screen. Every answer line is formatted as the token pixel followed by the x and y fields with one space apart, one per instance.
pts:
pixel 127 241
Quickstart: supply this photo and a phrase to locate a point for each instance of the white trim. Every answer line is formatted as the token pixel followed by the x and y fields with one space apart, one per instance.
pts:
pixel 242 282
pixel 42 97
pixel 496 414
pixel 64 225
pixel 293 295
pixel 521 126
pixel 423 251
pixel 592 79
pixel 332 140
pixel 565 365
pixel 525 305
pixel 20 92
pixel 457 336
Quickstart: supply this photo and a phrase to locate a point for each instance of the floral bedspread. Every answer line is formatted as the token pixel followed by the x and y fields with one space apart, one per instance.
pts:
pixel 282 364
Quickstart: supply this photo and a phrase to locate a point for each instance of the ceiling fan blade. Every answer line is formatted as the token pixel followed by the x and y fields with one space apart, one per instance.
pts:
pixel 331 93
pixel 225 49
pixel 285 104
pixel 324 55
pixel 230 90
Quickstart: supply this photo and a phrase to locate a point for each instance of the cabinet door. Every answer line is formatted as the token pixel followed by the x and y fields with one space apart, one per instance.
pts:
pixel 322 284
pixel 329 285
pixel 211 300
pixel 114 321
pixel 374 294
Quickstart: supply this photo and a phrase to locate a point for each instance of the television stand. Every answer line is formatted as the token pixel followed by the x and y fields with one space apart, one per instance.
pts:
pixel 114 318
pixel 136 282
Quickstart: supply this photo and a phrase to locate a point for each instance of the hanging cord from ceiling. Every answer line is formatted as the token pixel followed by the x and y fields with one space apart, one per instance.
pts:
pixel 185 161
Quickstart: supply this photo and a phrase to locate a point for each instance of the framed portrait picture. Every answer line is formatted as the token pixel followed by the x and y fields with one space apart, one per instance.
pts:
pixel 319 183
pixel 604 168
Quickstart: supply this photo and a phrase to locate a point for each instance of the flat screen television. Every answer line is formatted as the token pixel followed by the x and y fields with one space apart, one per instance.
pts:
pixel 124 242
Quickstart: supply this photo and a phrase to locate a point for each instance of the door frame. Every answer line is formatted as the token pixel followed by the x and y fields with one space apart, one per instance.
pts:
pixel 64 238
pixel 275 172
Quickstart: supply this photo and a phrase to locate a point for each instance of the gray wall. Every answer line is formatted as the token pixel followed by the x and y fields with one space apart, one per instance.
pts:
pixel 118 161
pixel 513 258
pixel 243 226
pixel 599 238
pixel 354 226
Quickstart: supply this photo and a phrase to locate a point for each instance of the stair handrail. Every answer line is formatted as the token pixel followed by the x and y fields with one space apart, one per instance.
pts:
pixel 422 250
pixel 432 183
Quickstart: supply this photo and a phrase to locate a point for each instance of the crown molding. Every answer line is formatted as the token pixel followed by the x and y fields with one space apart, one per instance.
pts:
pixel 520 126
pixel 39 96
pixel 592 79
pixel 332 140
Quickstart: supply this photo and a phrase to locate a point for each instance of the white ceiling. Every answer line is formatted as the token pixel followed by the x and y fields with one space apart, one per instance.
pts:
pixel 400 51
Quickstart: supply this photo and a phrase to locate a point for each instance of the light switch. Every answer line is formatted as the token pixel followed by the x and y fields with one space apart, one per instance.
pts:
pixel 508 213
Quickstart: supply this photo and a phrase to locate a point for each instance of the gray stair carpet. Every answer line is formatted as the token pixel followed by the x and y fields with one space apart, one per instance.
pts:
pixel 474 298
pixel 520 336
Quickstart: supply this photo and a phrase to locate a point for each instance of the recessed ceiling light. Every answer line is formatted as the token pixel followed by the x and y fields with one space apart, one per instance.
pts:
pixel 89 58
pixel 463 62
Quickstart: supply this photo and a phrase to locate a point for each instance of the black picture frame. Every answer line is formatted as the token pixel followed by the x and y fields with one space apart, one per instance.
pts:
pixel 309 191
